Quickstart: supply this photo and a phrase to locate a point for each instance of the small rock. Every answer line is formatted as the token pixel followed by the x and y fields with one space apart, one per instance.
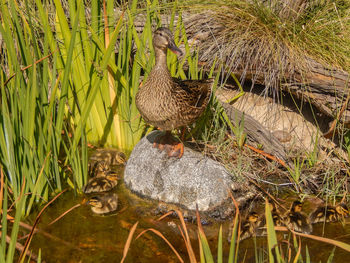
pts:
pixel 282 135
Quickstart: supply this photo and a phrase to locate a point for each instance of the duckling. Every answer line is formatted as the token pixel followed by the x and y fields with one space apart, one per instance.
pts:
pixel 296 220
pixel 101 183
pixel 248 227
pixel 168 103
pixel 103 204
pixel 277 220
pixel 327 214
pixel 98 169
pixel 110 156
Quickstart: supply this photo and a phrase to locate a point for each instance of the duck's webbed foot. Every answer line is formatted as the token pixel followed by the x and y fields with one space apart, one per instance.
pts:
pixel 175 150
pixel 167 142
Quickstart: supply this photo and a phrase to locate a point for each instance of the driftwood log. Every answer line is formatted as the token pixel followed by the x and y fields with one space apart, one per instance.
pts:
pixel 323 86
pixel 326 88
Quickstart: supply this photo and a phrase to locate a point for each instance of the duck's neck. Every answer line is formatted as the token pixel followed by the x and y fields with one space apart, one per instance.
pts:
pixel 161 63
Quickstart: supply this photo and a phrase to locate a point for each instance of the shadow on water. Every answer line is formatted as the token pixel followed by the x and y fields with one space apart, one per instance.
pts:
pixel 83 236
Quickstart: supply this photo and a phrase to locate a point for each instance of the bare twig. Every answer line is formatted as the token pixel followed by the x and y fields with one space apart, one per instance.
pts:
pixel 23 69
pixel 66 212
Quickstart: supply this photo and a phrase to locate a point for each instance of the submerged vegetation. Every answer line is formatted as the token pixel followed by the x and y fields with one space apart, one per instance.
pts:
pixel 70 71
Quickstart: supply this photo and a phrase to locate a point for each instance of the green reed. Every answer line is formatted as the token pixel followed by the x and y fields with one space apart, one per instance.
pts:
pixel 29 140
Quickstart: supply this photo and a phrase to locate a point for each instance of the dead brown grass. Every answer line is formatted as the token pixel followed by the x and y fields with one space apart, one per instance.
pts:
pixel 271 41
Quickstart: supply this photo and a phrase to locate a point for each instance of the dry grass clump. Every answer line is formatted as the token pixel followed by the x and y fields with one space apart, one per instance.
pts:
pixel 271 41
pixel 321 178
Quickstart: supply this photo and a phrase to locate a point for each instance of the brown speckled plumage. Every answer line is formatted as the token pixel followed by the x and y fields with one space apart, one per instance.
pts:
pixel 104 204
pixel 296 220
pixel 165 102
pixel 327 213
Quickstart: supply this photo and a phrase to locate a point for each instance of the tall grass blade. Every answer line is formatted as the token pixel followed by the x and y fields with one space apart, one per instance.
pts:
pixel 3 226
pixel 128 241
pixel 339 244
pixel 15 229
pixel 271 236
pixel 186 237
pixel 234 244
pixel 220 251
pixel 166 240
pixel 203 241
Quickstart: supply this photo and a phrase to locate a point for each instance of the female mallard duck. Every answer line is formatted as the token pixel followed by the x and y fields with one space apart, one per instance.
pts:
pixel 168 103
pixel 296 220
pixel 327 214
pixel 109 156
pixel 104 204
pixel 101 183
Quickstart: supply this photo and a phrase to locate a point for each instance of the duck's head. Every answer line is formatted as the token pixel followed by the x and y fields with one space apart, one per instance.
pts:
pixel 102 166
pixel 253 217
pixel 163 39
pixel 120 158
pixel 272 205
pixel 95 202
pixel 296 206
pixel 342 209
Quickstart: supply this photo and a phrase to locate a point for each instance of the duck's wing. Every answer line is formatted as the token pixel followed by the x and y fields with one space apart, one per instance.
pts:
pixel 195 93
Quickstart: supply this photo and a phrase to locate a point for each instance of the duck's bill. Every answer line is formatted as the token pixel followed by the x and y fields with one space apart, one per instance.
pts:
pixel 175 49
pixel 92 201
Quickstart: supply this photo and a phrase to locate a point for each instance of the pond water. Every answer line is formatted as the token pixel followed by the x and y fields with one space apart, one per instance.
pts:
pixel 82 236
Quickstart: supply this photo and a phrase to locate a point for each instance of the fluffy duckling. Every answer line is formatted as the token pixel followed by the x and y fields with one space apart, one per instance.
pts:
pixel 296 220
pixel 99 168
pixel 104 204
pixel 110 156
pixel 248 227
pixel 277 220
pixel 327 214
pixel 101 183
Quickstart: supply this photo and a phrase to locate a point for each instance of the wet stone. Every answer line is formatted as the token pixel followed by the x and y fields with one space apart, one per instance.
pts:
pixel 192 180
